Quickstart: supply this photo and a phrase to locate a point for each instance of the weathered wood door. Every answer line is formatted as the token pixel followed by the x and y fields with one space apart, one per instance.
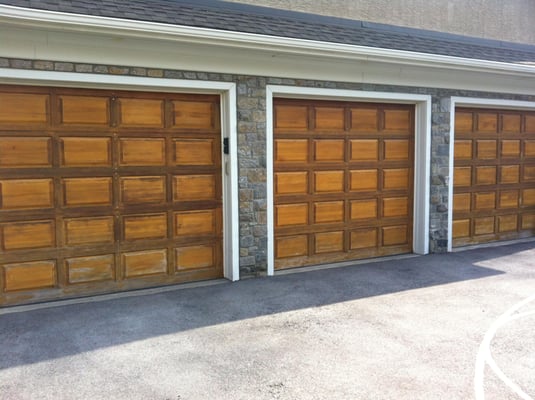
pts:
pixel 104 191
pixel 343 181
pixel 494 175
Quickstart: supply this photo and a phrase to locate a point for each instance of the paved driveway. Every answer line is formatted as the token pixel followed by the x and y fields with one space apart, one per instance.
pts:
pixel 403 329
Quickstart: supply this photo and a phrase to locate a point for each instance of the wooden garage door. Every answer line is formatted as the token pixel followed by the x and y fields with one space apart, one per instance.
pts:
pixel 494 176
pixel 105 191
pixel 343 181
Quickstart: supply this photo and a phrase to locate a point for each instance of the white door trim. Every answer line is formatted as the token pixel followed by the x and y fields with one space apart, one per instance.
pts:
pixel 421 159
pixel 475 103
pixel 227 91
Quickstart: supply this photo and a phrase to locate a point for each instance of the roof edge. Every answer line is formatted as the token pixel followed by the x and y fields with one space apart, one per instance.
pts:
pixel 33 18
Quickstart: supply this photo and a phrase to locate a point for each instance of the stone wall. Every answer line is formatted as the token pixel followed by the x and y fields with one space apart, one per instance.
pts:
pixel 510 20
pixel 251 109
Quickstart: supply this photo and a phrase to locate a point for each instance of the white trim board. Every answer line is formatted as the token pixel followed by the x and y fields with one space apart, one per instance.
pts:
pixel 475 103
pixel 226 90
pixel 422 153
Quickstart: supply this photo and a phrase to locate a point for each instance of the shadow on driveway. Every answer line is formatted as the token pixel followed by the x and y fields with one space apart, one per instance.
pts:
pixel 39 335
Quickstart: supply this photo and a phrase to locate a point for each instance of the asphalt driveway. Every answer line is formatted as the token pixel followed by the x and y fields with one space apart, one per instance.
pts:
pixel 395 329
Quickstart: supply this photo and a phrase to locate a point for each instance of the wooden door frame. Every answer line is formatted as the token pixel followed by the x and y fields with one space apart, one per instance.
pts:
pixel 229 165
pixel 473 102
pixel 422 153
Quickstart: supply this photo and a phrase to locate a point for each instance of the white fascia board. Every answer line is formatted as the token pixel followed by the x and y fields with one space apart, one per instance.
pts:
pixel 131 28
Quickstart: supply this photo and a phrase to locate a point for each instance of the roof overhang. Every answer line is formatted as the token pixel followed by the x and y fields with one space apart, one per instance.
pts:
pixel 300 52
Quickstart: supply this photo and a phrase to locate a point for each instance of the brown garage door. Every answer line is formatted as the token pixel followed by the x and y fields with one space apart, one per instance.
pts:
pixel 343 181
pixel 494 176
pixel 105 191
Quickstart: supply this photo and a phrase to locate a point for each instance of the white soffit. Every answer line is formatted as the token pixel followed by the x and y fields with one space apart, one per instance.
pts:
pixel 251 53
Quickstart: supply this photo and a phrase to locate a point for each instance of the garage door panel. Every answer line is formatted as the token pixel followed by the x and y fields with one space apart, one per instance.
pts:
pixel 30 275
pixel 26 194
pixel 86 151
pixel 291 117
pixel 105 187
pixel 463 122
pixel 84 110
pixel 23 152
pixel 28 235
pixel 353 182
pixel 529 123
pixel 141 113
pixel 463 149
pixel 528 221
pixel 87 191
pixel 462 176
pixel 90 269
pixel 142 151
pixel 24 109
pixel 501 192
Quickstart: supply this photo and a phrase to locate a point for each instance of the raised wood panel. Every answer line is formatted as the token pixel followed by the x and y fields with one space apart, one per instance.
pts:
pixel 29 275
pixel 291 150
pixel 507 223
pixel 528 221
pixel 194 187
pixel 87 191
pixel 328 181
pixel 363 238
pixel 291 182
pixel 510 148
pixel 141 151
pixel 394 235
pixel 189 223
pixel 529 123
pixel 508 199
pixel 195 152
pixel 396 149
pixel 328 211
pixel 509 174
pixel 84 110
pixel 529 149
pixel 90 269
pixel 461 202
pixel 291 117
pixel 397 121
pixel 142 263
pixel 26 194
pixel 291 246
pixel 195 257
pixel 486 149
pixel 463 122
pixel 84 151
pixel 28 235
pixel 396 178
pixel 193 114
pixel 329 118
pixel 328 242
pixel 363 180
pixel 23 152
pixel 363 209
pixel 396 207
pixel 329 150
pixel 487 122
pixel 528 197
pixel 462 176
pixel 461 228
pixel 484 201
pixel 23 108
pixel 463 149
pixel 529 173
pixel 511 123
pixel 291 214
pixel 364 150
pixel 483 225
pixel 364 120
pixel 88 230
pixel 144 227
pixel 485 175
pixel 141 112
pixel 143 189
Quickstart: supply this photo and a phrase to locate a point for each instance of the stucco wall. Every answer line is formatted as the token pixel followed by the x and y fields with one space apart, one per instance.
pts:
pixel 509 20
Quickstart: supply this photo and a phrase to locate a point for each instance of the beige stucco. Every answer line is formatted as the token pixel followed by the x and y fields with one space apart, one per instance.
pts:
pixel 509 20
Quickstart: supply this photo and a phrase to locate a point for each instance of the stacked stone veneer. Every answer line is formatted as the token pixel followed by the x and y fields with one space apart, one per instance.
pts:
pixel 251 109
